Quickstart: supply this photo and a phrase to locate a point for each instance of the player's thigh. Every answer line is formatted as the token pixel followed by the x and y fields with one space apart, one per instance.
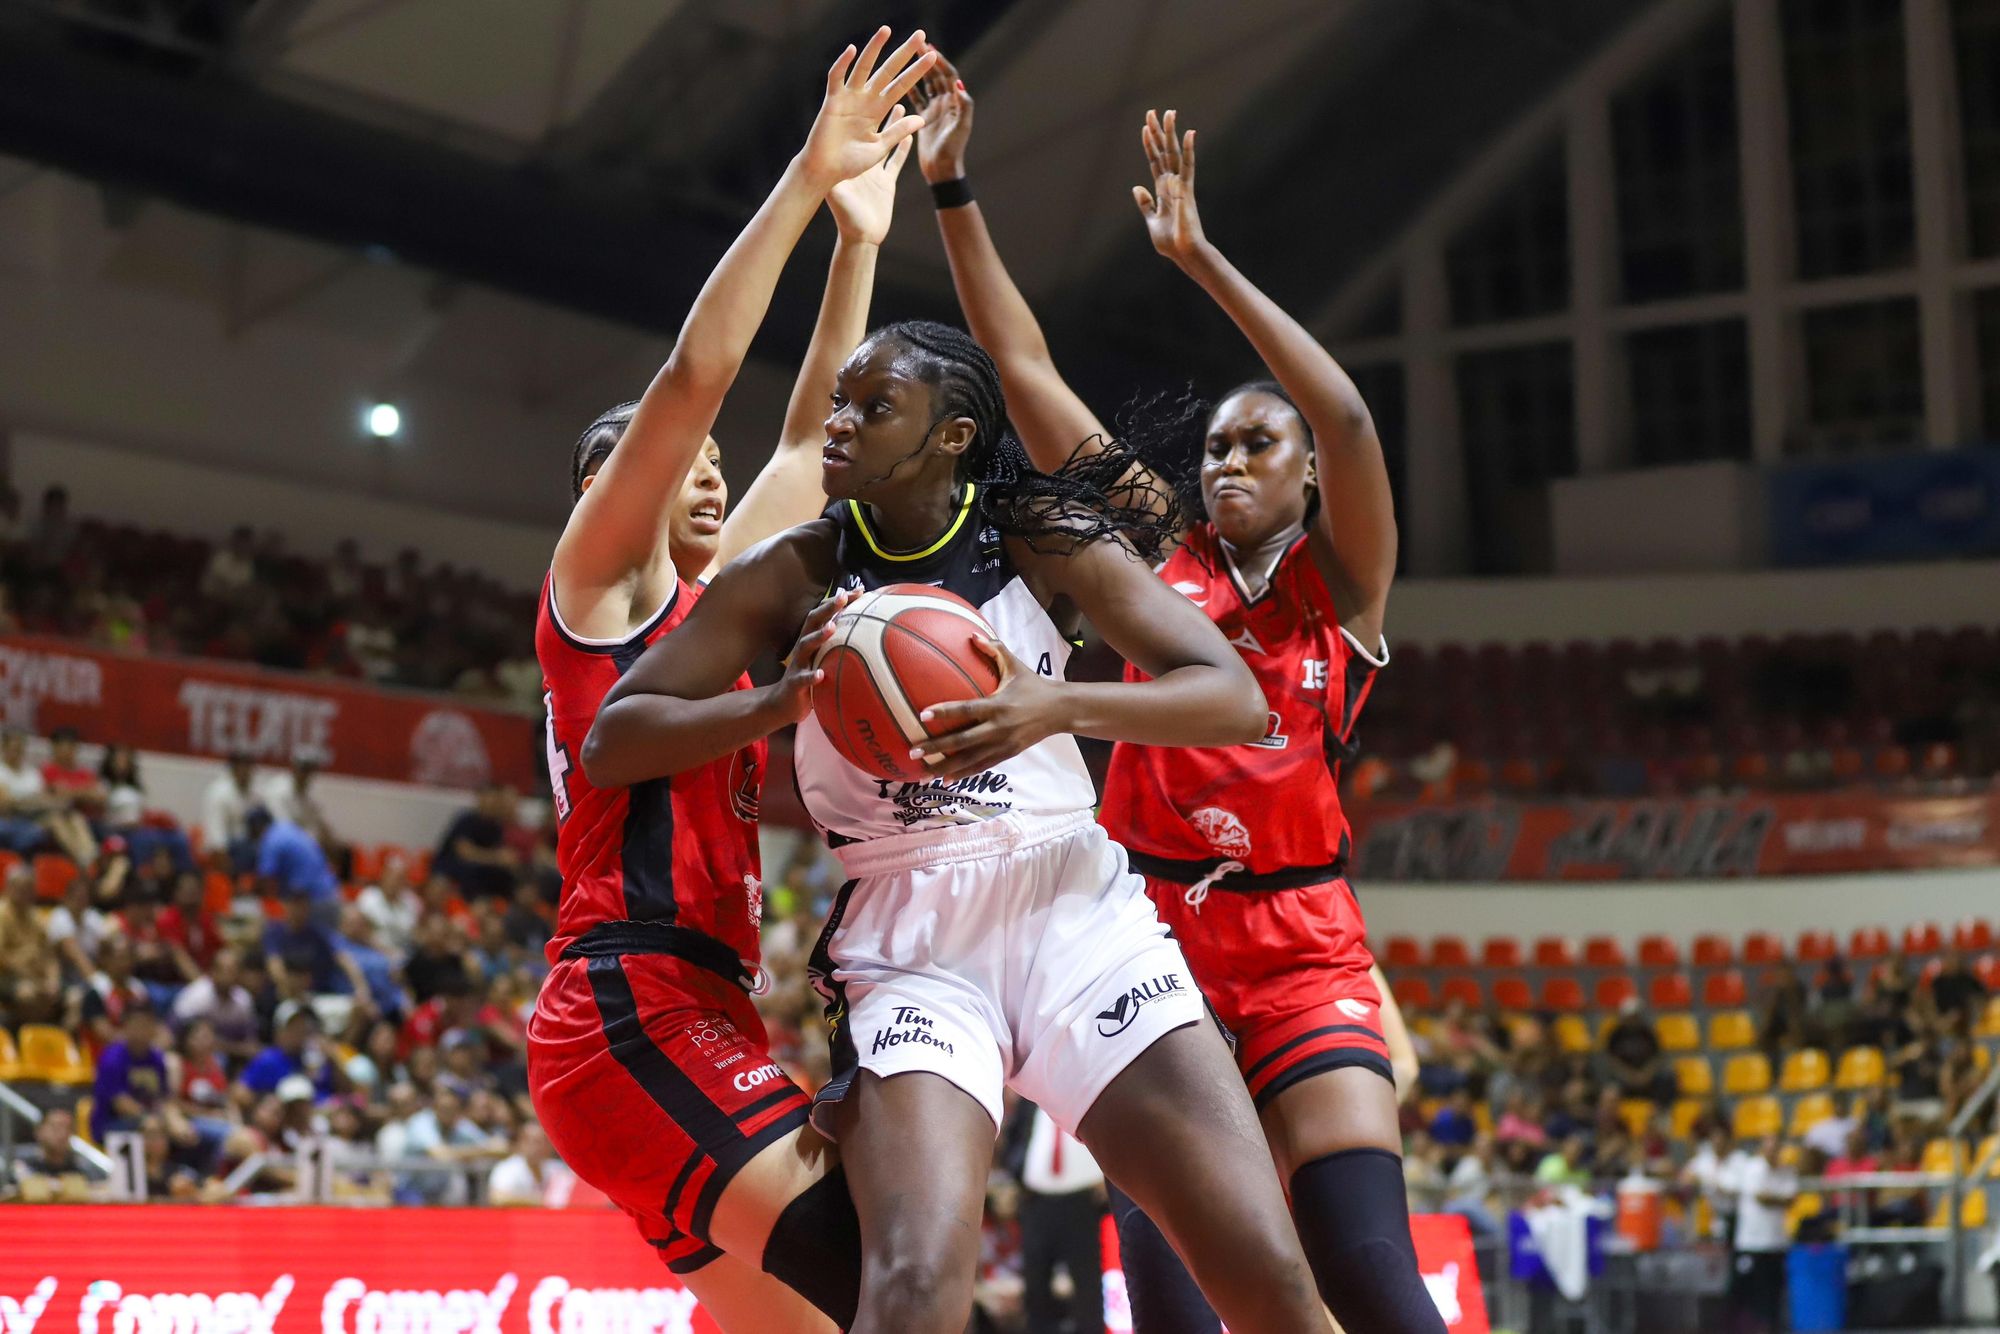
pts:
pixel 743 1299
pixel 1352 1107
pixel 764 1187
pixel 917 1149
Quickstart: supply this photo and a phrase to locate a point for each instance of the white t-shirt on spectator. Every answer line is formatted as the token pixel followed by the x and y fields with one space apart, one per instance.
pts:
pixel 228 573
pixel 200 999
pixel 1760 1226
pixel 394 919
pixel 23 783
pixel 88 931
pixel 280 796
pixel 124 805
pixel 513 1181
pixel 223 807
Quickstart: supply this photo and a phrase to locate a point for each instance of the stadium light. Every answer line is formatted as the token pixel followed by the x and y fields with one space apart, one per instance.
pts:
pixel 384 420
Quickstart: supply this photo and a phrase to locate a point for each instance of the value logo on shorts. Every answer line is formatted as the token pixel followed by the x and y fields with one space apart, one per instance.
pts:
pixel 1112 1022
pixel 908 1026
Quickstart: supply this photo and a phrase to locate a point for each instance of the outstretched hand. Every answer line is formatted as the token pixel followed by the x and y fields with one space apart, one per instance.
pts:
pixel 802 670
pixel 1172 221
pixel 947 112
pixel 864 206
pixel 854 130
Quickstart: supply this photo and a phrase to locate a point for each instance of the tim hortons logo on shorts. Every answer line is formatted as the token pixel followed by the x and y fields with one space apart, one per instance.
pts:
pixel 746 1080
pixel 1224 832
pixel 908 1025
pixel 1112 1022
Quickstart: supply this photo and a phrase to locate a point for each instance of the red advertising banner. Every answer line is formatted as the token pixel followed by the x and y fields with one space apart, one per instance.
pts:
pixel 178 1269
pixel 189 707
pixel 1752 835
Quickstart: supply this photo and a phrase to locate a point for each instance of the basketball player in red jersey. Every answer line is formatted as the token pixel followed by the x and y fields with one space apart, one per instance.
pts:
pixel 648 1065
pixel 1245 847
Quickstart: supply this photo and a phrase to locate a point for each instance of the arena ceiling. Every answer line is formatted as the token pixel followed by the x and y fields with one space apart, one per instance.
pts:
pixel 507 204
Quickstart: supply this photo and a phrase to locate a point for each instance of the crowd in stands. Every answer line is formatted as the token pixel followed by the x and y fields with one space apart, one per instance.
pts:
pixel 249 599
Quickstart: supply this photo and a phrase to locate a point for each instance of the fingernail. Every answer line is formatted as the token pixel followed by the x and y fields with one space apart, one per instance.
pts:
pixel 916 752
pixel 960 84
pixel 924 717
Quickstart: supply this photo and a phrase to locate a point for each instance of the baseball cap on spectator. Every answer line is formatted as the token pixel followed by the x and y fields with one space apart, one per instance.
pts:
pixel 295 1088
pixel 459 1037
pixel 293 1009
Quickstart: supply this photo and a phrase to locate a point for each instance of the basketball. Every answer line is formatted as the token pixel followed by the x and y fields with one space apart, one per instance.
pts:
pixel 895 652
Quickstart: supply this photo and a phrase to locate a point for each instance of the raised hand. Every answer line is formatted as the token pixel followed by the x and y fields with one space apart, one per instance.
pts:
pixel 863 206
pixel 1172 220
pixel 947 112
pixel 854 130
pixel 802 672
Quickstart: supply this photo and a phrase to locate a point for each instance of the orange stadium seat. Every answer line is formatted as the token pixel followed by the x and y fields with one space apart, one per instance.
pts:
pixel 1672 991
pixel 1723 988
pixel 1615 990
pixel 1761 947
pixel 1500 952
pixel 1713 952
pixel 1922 938
pixel 1860 1068
pixel 1868 942
pixel 1757 1117
pixel 1810 1110
pixel 1972 935
pixel 1659 952
pixel 1554 952
pixel 1402 952
pixel 1466 991
pixel 1450 952
pixel 1562 994
pixel 1817 946
pixel 1414 993
pixel 1805 1071
pixel 367 865
pixel 53 872
pixel 1604 952
pixel 1512 993
pixel 9 859
pixel 1987 969
pixel 1678 1032
pixel 1747 1072
pixel 1731 1030
pixel 49 1054
pixel 1695 1076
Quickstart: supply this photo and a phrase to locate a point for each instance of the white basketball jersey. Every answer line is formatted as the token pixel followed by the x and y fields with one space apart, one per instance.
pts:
pixel 1046 779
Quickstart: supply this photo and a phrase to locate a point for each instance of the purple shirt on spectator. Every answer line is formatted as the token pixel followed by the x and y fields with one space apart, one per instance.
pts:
pixel 121 1072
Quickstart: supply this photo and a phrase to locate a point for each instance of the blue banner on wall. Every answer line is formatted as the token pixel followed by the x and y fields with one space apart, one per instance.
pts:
pixel 1902 507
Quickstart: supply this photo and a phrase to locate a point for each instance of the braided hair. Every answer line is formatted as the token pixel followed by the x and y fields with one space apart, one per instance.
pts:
pixel 1114 492
pixel 596 443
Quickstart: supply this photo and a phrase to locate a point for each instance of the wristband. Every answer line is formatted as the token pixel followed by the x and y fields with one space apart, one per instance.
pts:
pixel 954 193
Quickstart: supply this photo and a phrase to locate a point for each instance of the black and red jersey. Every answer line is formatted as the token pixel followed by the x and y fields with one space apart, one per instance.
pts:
pixel 1273 805
pixel 681 850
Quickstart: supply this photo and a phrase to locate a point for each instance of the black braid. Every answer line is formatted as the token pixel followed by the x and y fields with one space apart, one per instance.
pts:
pixel 1113 492
pixel 596 443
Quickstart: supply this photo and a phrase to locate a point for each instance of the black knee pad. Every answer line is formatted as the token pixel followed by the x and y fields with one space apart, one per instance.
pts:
pixel 815 1248
pixel 1354 1222
pixel 1162 1293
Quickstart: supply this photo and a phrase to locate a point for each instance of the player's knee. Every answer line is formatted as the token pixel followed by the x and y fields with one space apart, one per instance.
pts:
pixel 1354 1219
pixel 922 1288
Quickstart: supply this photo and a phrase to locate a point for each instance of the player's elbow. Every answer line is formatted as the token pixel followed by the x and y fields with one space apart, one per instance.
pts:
pixel 1240 707
pixel 603 757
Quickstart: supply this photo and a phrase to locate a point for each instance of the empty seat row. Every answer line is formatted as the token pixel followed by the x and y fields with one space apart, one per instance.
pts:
pixel 1758 948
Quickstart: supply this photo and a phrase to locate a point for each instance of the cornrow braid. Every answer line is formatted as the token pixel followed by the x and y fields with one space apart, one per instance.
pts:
pixel 1112 492
pixel 596 443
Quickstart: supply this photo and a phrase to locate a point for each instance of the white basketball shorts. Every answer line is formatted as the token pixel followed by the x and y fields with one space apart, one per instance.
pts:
pixel 1020 951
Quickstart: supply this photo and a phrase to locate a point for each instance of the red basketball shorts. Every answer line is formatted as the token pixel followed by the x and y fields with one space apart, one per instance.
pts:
pixel 1287 971
pixel 654 1079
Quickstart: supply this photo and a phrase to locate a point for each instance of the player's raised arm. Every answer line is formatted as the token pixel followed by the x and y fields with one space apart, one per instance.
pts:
pixel 1052 420
pixel 787 492
pixel 624 515
pixel 1356 511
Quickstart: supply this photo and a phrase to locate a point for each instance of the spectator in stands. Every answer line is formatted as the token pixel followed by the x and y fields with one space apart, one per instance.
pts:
pixel 51 1169
pixel 437 966
pixel 289 797
pixel 1453 1126
pixel 101 1002
pixel 1709 1174
pixel 188 922
pixel 219 999
pixel 1918 1069
pixel 441 1133
pixel 392 905
pixel 54 537
pixel 295 1050
pixel 29 966
pixel 1634 1060
pixel 474 854
pixel 299 946
pixel 125 811
pixel 1955 990
pixel 34 816
pixel 1567 1165
pixel 1786 1024
pixel 196 1074
pixel 290 861
pixel 166 1178
pixel 131 1079
pixel 1765 1189
pixel 356 943
pixel 155 958
pixel 464 1060
pixel 1853 1160
pixel 527 926
pixel 373 1062
pixel 66 778
pixel 226 807
pixel 76 929
pixel 532 1175
pixel 230 577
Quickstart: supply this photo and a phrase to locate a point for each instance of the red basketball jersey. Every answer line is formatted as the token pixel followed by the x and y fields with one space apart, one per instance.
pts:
pixel 680 850
pixel 1273 805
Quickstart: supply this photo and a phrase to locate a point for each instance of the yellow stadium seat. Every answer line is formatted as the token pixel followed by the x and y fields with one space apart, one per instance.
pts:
pixel 84 1106
pixel 1482 1118
pixel 49 1053
pixel 1810 1204
pixel 1757 1117
pixel 1678 1032
pixel 1989 1153
pixel 1686 1112
pixel 10 1056
pixel 1696 1075
pixel 1805 1071
pixel 1572 1033
pixel 1810 1110
pixel 1939 1156
pixel 1731 1030
pixel 1746 1072
pixel 1790 1156
pixel 1637 1114
pixel 1989 1023
pixel 1860 1068
pixel 1972 1212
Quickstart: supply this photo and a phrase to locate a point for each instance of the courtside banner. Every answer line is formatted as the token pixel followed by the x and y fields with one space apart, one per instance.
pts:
pixel 179 1269
pixel 190 707
pixel 1828 833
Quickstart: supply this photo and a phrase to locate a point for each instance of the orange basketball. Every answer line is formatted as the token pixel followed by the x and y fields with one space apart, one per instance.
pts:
pixel 895 652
